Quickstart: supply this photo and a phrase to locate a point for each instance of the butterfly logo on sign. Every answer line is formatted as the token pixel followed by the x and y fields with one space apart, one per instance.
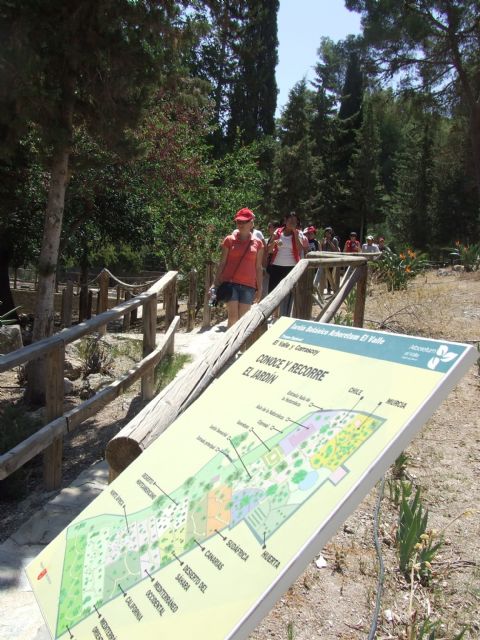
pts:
pixel 442 355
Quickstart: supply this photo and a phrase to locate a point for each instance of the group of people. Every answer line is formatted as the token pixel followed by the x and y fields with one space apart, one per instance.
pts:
pixel 249 261
pixel 352 245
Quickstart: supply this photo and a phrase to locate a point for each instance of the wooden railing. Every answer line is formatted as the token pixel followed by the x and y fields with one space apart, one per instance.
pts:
pixel 49 439
pixel 154 418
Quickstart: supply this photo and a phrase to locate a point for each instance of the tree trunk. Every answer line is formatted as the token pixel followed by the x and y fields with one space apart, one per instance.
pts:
pixel 83 302
pixel 475 138
pixel 44 306
pixel 6 299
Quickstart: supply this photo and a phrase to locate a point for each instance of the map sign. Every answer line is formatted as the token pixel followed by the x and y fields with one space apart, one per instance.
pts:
pixel 210 525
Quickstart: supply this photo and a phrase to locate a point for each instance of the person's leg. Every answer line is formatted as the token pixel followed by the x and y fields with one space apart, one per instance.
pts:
pixel 233 312
pixel 243 308
pixel 275 277
pixel 246 296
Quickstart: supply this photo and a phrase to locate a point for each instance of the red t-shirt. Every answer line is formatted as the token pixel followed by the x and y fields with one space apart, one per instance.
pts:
pixel 241 265
pixel 352 246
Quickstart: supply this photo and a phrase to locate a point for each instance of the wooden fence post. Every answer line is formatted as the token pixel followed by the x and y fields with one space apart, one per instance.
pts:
pixel 126 317
pixel 67 303
pixel 170 301
pixel 52 455
pixel 149 316
pixel 207 310
pixel 103 297
pixel 192 299
pixel 119 293
pixel 361 295
pixel 304 295
pixel 89 303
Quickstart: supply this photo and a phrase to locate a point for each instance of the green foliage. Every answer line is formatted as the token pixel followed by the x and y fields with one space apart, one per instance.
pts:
pixel 190 225
pixel 367 194
pixel 427 630
pixel 253 98
pixel 128 347
pixel 416 546
pixel 397 270
pixel 469 255
pixel 290 631
pixel 294 161
pixel 399 467
pixel 346 317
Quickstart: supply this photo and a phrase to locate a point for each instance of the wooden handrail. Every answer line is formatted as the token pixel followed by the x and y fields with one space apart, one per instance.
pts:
pixel 40 348
pixel 149 423
pixel 70 421
pixel 49 439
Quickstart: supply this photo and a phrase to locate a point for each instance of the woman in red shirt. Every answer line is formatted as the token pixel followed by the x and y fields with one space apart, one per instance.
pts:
pixel 241 264
pixel 352 245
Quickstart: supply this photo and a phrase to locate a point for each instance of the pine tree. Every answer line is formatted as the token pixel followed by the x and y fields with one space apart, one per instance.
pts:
pixel 86 63
pixel 294 162
pixel 254 95
pixel 435 46
pixel 215 60
pixel 349 121
pixel 408 217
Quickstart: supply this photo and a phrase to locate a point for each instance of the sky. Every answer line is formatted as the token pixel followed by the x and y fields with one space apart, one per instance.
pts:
pixel 301 24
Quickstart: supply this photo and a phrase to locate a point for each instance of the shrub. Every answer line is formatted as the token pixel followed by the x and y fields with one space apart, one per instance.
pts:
pixel 397 270
pixel 96 356
pixel 469 255
pixel 416 547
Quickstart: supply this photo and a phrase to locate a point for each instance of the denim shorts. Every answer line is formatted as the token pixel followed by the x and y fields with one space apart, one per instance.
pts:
pixel 242 294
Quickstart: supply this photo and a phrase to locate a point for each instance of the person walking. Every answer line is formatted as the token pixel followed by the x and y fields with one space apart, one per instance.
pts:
pixel 369 246
pixel 352 245
pixel 241 266
pixel 329 241
pixel 286 247
pixel 313 244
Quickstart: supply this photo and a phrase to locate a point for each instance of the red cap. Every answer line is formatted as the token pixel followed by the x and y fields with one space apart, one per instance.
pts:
pixel 244 215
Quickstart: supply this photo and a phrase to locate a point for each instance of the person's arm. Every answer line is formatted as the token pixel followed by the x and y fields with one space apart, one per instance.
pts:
pixel 301 240
pixel 259 274
pixel 221 266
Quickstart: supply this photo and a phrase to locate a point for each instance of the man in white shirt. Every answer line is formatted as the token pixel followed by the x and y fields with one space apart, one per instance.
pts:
pixel 369 246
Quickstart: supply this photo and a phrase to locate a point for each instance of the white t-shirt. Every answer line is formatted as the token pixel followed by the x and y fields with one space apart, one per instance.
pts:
pixel 256 233
pixel 370 248
pixel 285 256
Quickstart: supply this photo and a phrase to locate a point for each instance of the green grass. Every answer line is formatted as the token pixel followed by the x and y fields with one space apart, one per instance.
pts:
pixel 167 369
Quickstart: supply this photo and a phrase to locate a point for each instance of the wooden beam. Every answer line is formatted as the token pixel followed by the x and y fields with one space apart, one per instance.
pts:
pixel 67 303
pixel 336 301
pixel 52 456
pixel 192 299
pixel 41 347
pixel 149 340
pixel 360 299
